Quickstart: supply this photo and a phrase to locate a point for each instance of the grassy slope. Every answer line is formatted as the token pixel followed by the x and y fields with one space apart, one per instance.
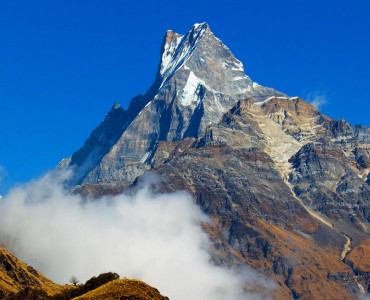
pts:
pixel 15 275
pixel 123 289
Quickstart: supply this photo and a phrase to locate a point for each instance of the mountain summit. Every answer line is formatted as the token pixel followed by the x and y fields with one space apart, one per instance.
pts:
pixel 286 186
pixel 198 80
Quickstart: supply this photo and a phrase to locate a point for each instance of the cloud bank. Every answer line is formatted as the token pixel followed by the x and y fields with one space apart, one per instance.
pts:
pixel 154 238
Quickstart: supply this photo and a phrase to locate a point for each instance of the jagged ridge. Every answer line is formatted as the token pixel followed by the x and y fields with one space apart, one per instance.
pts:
pixel 198 79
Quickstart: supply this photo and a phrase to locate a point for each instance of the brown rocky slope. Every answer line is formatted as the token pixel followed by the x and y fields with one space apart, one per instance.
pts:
pixel 255 173
pixel 238 175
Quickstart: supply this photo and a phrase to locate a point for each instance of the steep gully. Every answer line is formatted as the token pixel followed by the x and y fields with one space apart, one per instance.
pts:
pixel 347 246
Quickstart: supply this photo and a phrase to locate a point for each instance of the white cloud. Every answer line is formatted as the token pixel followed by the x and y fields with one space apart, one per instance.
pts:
pixel 317 99
pixel 3 173
pixel 153 237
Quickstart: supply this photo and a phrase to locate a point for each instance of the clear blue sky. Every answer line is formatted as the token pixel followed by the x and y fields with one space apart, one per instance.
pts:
pixel 63 63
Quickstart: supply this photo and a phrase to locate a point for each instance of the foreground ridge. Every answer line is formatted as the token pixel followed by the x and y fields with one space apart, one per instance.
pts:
pixel 16 276
pixel 124 289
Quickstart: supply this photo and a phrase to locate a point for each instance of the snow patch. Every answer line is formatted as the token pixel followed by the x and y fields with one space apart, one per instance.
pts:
pixel 316 126
pixel 236 78
pixel 340 138
pixel 269 98
pixel 238 66
pixel 168 53
pixel 197 25
pixel 145 157
pixel 255 85
pixel 264 101
pixel 190 91
pixel 148 104
pixel 178 52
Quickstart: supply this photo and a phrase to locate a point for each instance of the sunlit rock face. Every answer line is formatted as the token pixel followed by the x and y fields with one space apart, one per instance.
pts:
pixel 198 80
pixel 286 186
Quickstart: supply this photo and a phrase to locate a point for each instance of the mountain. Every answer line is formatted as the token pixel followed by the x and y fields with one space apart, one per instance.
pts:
pixel 198 80
pixel 16 277
pixel 286 186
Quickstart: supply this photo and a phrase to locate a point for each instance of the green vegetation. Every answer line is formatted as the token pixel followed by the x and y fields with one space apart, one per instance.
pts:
pixel 95 282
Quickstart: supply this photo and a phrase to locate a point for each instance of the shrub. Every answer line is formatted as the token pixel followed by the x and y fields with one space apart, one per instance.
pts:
pixel 91 284
pixel 95 282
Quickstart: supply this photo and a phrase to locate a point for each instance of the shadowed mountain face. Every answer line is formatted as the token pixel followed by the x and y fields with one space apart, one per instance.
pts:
pixel 287 187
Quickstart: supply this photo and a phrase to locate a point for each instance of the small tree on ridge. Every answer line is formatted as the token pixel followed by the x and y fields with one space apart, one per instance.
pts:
pixel 74 280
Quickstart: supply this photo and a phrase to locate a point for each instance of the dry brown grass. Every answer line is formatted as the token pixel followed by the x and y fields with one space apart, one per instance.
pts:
pixel 123 289
pixel 15 276
pixel 360 256
pixel 312 265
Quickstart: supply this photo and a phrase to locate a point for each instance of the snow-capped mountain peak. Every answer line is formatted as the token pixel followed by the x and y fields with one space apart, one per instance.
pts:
pixel 176 49
pixel 198 80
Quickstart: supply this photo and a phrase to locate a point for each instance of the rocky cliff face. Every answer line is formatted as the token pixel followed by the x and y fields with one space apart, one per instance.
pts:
pixel 286 186
pixel 198 80
pixel 245 175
